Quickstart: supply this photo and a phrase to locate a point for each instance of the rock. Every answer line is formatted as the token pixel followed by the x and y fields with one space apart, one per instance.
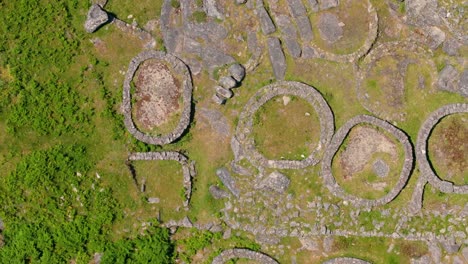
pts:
pixel 217 121
pixel 457 260
pixel 451 47
pixel 309 244
pixel 223 92
pixel 314 5
pixel 216 228
pixel 211 9
pixel 227 82
pixel 265 21
pixel 186 222
pixel 2 225
pixel 236 168
pixel 213 58
pixel 463 83
pixel 465 253
pixel 237 72
pixel 267 239
pixel 225 177
pixel 435 251
pixel 381 168
pixel 217 192
pixel 327 4
pixel 153 200
pixel 329 27
pixel 426 259
pixel 218 100
pixel 276 181
pixel 240 2
pixel 227 233
pixel 422 12
pixel 305 29
pixel 450 245
pixel 96 18
pixel 296 8
pixel 277 58
pixel 447 79
pixel 328 244
pixel 290 35
pixel 97 258
pixel 436 37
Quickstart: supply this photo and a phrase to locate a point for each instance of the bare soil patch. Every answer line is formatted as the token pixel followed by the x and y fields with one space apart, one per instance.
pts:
pixel 158 94
pixel 363 143
pixel 448 147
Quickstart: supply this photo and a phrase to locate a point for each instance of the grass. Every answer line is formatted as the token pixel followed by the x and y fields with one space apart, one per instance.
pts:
pixel 142 12
pixel 286 131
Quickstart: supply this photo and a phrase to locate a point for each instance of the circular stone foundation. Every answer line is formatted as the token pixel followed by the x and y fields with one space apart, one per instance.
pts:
pixel 337 141
pixel 422 155
pixel 331 32
pixel 180 69
pixel 241 253
pixel 388 75
pixel 243 141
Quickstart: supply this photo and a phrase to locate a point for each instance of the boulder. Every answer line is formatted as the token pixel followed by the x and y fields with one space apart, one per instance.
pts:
pixel 277 182
pixel 277 58
pixel 451 47
pixel 217 192
pixel 225 177
pixel 327 4
pixel 96 18
pixel 380 168
pixel 435 37
pixel 218 100
pixel 153 200
pixel 227 82
pixel 223 92
pixel 240 2
pixel 265 21
pixel 447 79
pixel 329 27
pixel 237 72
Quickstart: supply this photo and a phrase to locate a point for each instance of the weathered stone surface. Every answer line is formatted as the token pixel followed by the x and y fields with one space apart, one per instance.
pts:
pixel 211 9
pixel 223 92
pixel 450 245
pixel 227 82
pixel 422 12
pixel 289 35
pixel 237 72
pixel 267 239
pixel 305 29
pixel 328 243
pixel 327 4
pixel 296 8
pixel 277 58
pixel 329 27
pixel 216 120
pixel 240 2
pixel 186 222
pixel 96 18
pixel 346 260
pixel 381 168
pixel 465 253
pixel 463 83
pixel 313 5
pixel 243 254
pixel 225 177
pixel 265 21
pixel 426 259
pixel 436 37
pixel 153 200
pixel 451 47
pixel 218 193
pixel 213 57
pixel 448 79
pixel 277 182
pixel 218 99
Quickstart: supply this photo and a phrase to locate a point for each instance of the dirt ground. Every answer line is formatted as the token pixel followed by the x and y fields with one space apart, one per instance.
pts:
pixel 362 144
pixel 157 94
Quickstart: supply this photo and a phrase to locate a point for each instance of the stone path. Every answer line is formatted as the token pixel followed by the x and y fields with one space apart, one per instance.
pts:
pixel 422 149
pixel 337 141
pixel 179 68
pixel 188 168
pixel 244 145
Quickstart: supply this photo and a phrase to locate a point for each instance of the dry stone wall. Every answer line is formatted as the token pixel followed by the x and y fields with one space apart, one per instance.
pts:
pixel 244 145
pixel 334 146
pixel 241 253
pixel 181 69
pixel 422 155
pixel 188 169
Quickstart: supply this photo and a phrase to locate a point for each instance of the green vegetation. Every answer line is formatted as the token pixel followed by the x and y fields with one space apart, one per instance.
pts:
pixel 199 16
pixel 295 122
pixel 175 3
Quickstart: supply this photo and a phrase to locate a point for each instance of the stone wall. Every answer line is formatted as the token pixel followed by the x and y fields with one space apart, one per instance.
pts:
pixel 181 69
pixel 421 148
pixel 243 142
pixel 241 253
pixel 334 146
pixel 188 168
